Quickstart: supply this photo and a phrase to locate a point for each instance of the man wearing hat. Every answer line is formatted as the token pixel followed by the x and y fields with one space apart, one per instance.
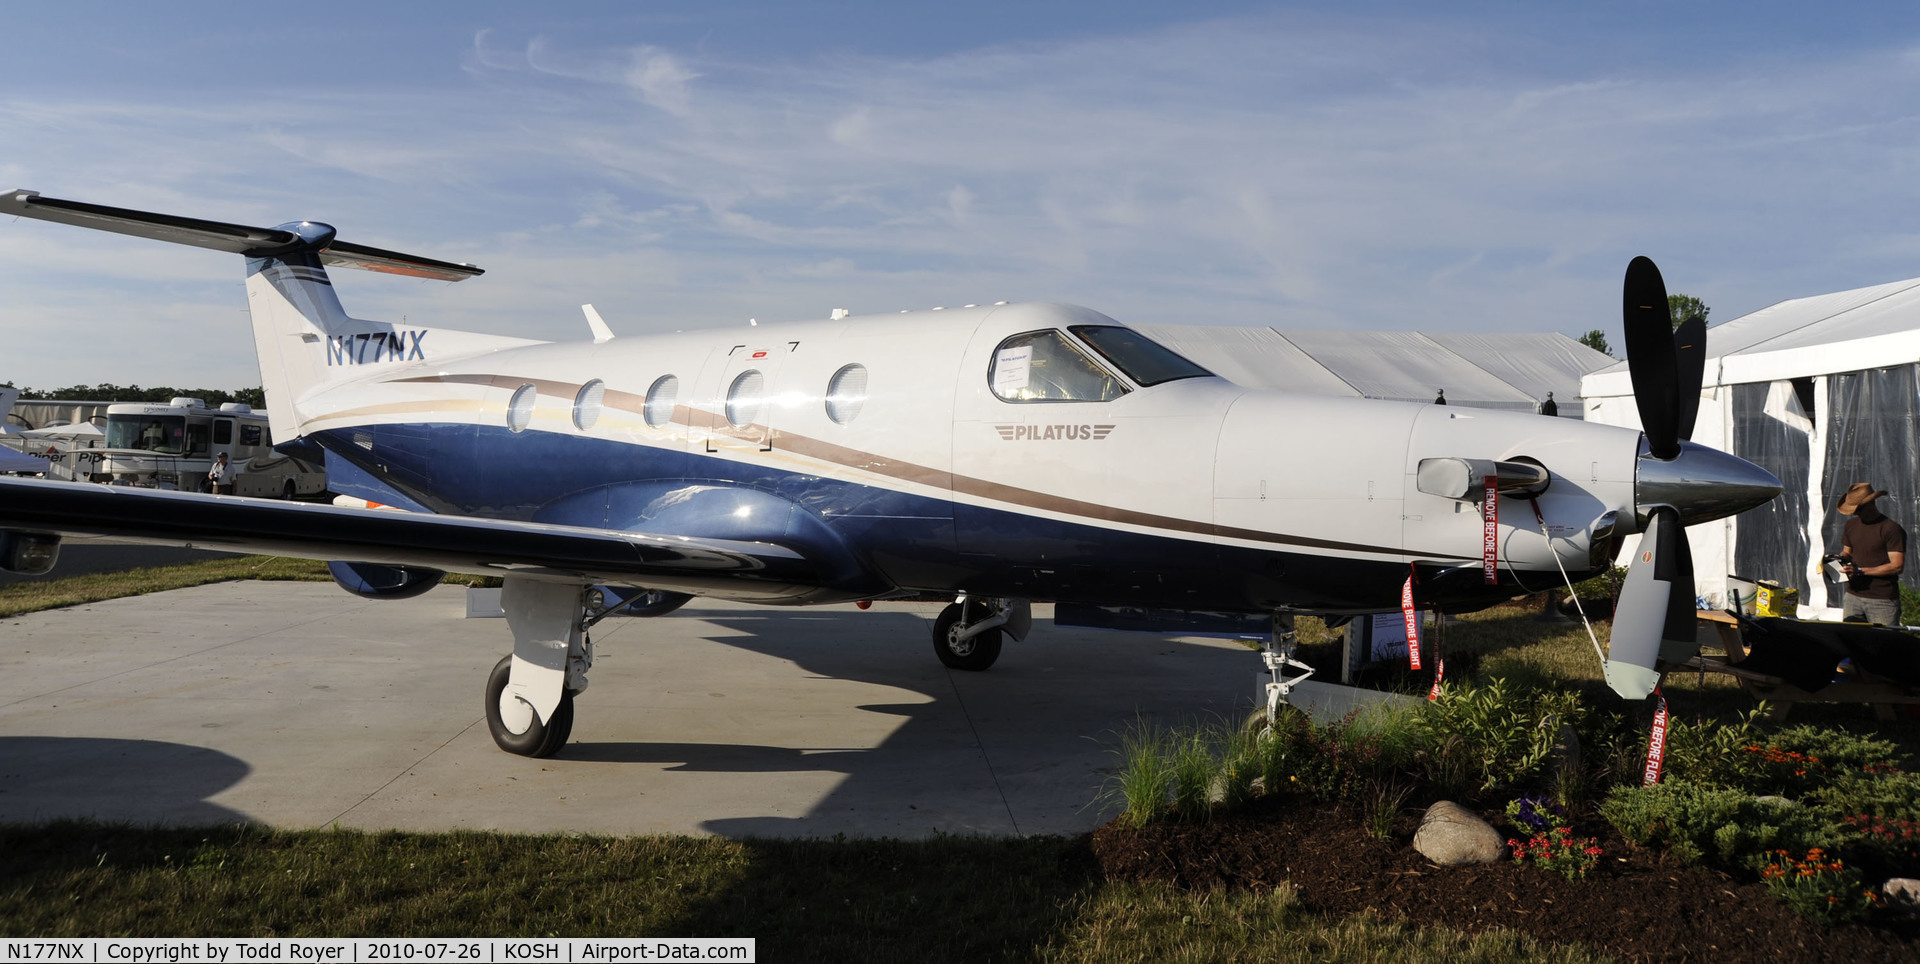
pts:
pixel 1874 551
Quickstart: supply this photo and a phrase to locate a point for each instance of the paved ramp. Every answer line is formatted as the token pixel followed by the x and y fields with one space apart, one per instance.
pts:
pixel 297 705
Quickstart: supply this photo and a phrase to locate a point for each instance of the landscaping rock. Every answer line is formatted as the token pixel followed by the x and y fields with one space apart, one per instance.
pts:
pixel 1903 895
pixel 1451 835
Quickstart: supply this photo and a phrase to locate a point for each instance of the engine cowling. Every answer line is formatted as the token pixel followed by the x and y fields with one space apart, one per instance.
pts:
pixel 372 580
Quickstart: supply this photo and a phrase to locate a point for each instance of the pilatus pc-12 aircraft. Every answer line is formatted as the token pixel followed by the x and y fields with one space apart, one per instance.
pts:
pixel 995 455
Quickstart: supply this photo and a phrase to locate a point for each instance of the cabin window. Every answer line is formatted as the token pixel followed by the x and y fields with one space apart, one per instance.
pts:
pixel 197 433
pixel 660 399
pixel 586 405
pixel 745 397
pixel 1044 366
pixel 1138 357
pixel 847 393
pixel 249 435
pixel 520 409
pixel 223 432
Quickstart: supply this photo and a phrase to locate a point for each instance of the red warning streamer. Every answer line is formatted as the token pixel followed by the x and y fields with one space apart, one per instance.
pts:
pixel 1439 673
pixel 1657 745
pixel 1490 532
pixel 1413 620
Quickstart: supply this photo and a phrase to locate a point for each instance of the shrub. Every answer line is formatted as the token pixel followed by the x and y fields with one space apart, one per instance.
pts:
pixel 1727 828
pixel 1884 796
pixel 1714 754
pixel 1498 736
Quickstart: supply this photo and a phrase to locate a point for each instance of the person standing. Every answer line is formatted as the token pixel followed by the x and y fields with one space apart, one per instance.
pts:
pixel 1550 408
pixel 1441 398
pixel 1873 551
pixel 220 477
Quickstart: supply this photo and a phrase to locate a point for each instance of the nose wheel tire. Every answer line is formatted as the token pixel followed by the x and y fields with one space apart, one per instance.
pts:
pixel 516 728
pixel 974 653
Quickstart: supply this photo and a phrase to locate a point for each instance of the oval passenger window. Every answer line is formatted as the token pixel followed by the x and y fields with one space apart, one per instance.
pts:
pixel 520 409
pixel 660 398
pixel 847 393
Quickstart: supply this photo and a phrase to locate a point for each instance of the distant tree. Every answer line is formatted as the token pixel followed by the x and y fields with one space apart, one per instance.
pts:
pixel 1682 307
pixel 1597 340
pixel 109 392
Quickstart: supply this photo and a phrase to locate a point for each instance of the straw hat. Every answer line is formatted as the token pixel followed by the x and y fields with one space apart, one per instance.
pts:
pixel 1858 494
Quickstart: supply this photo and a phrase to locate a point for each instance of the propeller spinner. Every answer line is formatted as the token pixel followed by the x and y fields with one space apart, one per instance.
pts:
pixel 1676 484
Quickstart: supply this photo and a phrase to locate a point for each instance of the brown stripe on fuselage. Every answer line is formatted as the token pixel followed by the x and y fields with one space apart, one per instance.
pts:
pixel 918 474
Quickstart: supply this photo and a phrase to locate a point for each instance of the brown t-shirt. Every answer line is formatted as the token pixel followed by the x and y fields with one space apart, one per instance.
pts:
pixel 1871 542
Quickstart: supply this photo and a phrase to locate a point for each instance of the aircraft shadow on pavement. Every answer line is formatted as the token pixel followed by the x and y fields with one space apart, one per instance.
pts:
pixel 146 782
pixel 1020 748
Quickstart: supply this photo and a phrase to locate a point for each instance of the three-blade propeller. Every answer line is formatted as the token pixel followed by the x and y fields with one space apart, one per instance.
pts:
pixel 1654 617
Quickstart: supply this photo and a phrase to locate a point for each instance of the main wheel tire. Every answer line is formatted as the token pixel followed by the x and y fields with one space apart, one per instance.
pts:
pixel 972 654
pixel 536 739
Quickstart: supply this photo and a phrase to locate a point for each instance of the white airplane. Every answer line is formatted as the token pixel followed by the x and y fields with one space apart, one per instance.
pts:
pixel 994 454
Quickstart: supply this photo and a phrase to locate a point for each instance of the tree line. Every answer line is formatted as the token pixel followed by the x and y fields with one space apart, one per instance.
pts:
pixel 109 392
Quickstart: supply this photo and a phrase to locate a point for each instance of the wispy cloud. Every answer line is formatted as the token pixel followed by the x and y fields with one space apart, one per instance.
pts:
pixel 1256 171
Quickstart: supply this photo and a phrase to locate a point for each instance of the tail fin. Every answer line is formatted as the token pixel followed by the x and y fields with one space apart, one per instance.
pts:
pixel 304 339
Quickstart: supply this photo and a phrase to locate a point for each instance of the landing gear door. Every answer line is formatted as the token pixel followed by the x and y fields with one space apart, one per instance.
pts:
pixel 740 415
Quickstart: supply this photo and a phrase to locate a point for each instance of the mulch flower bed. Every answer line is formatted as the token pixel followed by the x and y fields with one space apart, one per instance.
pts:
pixel 1631 905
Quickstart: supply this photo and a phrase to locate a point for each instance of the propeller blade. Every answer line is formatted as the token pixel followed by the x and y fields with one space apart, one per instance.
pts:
pixel 1651 361
pixel 1679 636
pixel 1655 612
pixel 1690 361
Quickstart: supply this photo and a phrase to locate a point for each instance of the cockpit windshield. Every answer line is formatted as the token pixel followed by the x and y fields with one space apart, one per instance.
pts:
pixel 1142 359
pixel 1045 366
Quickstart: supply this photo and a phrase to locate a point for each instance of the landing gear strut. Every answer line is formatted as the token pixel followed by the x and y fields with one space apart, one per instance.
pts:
pixel 967 634
pixel 1277 653
pixel 529 699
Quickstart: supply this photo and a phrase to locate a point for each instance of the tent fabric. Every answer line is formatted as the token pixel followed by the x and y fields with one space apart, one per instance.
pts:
pixel 1250 357
pixel 1507 371
pixel 1822 391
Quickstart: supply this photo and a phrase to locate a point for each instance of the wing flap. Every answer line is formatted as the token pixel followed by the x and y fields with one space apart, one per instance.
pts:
pixel 715 567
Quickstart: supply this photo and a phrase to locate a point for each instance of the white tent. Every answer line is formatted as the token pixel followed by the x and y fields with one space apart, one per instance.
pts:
pixel 1823 392
pixel 1508 371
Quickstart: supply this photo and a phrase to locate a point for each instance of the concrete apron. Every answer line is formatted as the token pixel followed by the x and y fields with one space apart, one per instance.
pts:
pixel 297 705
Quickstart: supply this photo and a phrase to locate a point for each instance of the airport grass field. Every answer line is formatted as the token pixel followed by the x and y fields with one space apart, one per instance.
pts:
pixel 1289 874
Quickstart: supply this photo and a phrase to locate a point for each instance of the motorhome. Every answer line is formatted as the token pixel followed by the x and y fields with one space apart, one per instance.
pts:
pixel 173 446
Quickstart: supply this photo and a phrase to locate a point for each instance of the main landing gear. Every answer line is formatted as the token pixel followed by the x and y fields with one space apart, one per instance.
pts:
pixel 530 694
pixel 967 634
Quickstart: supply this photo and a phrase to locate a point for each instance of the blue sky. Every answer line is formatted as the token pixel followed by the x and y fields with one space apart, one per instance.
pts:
pixel 1489 166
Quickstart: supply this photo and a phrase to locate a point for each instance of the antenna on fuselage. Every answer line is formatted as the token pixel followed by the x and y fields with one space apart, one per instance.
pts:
pixel 601 333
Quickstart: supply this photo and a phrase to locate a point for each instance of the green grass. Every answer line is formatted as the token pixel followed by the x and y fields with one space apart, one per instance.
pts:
pixel 946 899
pixel 28 597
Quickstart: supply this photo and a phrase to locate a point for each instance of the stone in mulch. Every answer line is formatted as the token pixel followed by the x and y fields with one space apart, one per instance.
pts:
pixel 1453 836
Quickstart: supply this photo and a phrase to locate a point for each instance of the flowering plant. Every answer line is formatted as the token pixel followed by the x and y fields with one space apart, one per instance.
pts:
pixel 1895 837
pixel 1556 850
pixel 1535 813
pixel 1825 890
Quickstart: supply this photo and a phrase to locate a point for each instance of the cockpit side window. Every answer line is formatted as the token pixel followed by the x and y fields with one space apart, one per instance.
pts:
pixel 1140 358
pixel 1044 366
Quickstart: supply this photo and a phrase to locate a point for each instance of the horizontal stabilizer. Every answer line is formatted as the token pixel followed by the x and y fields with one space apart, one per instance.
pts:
pixel 232 238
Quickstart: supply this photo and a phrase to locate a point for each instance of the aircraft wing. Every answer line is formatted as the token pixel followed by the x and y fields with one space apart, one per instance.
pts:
pixel 740 570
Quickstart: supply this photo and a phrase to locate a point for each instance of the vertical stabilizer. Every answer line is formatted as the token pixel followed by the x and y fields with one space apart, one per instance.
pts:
pixel 304 340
